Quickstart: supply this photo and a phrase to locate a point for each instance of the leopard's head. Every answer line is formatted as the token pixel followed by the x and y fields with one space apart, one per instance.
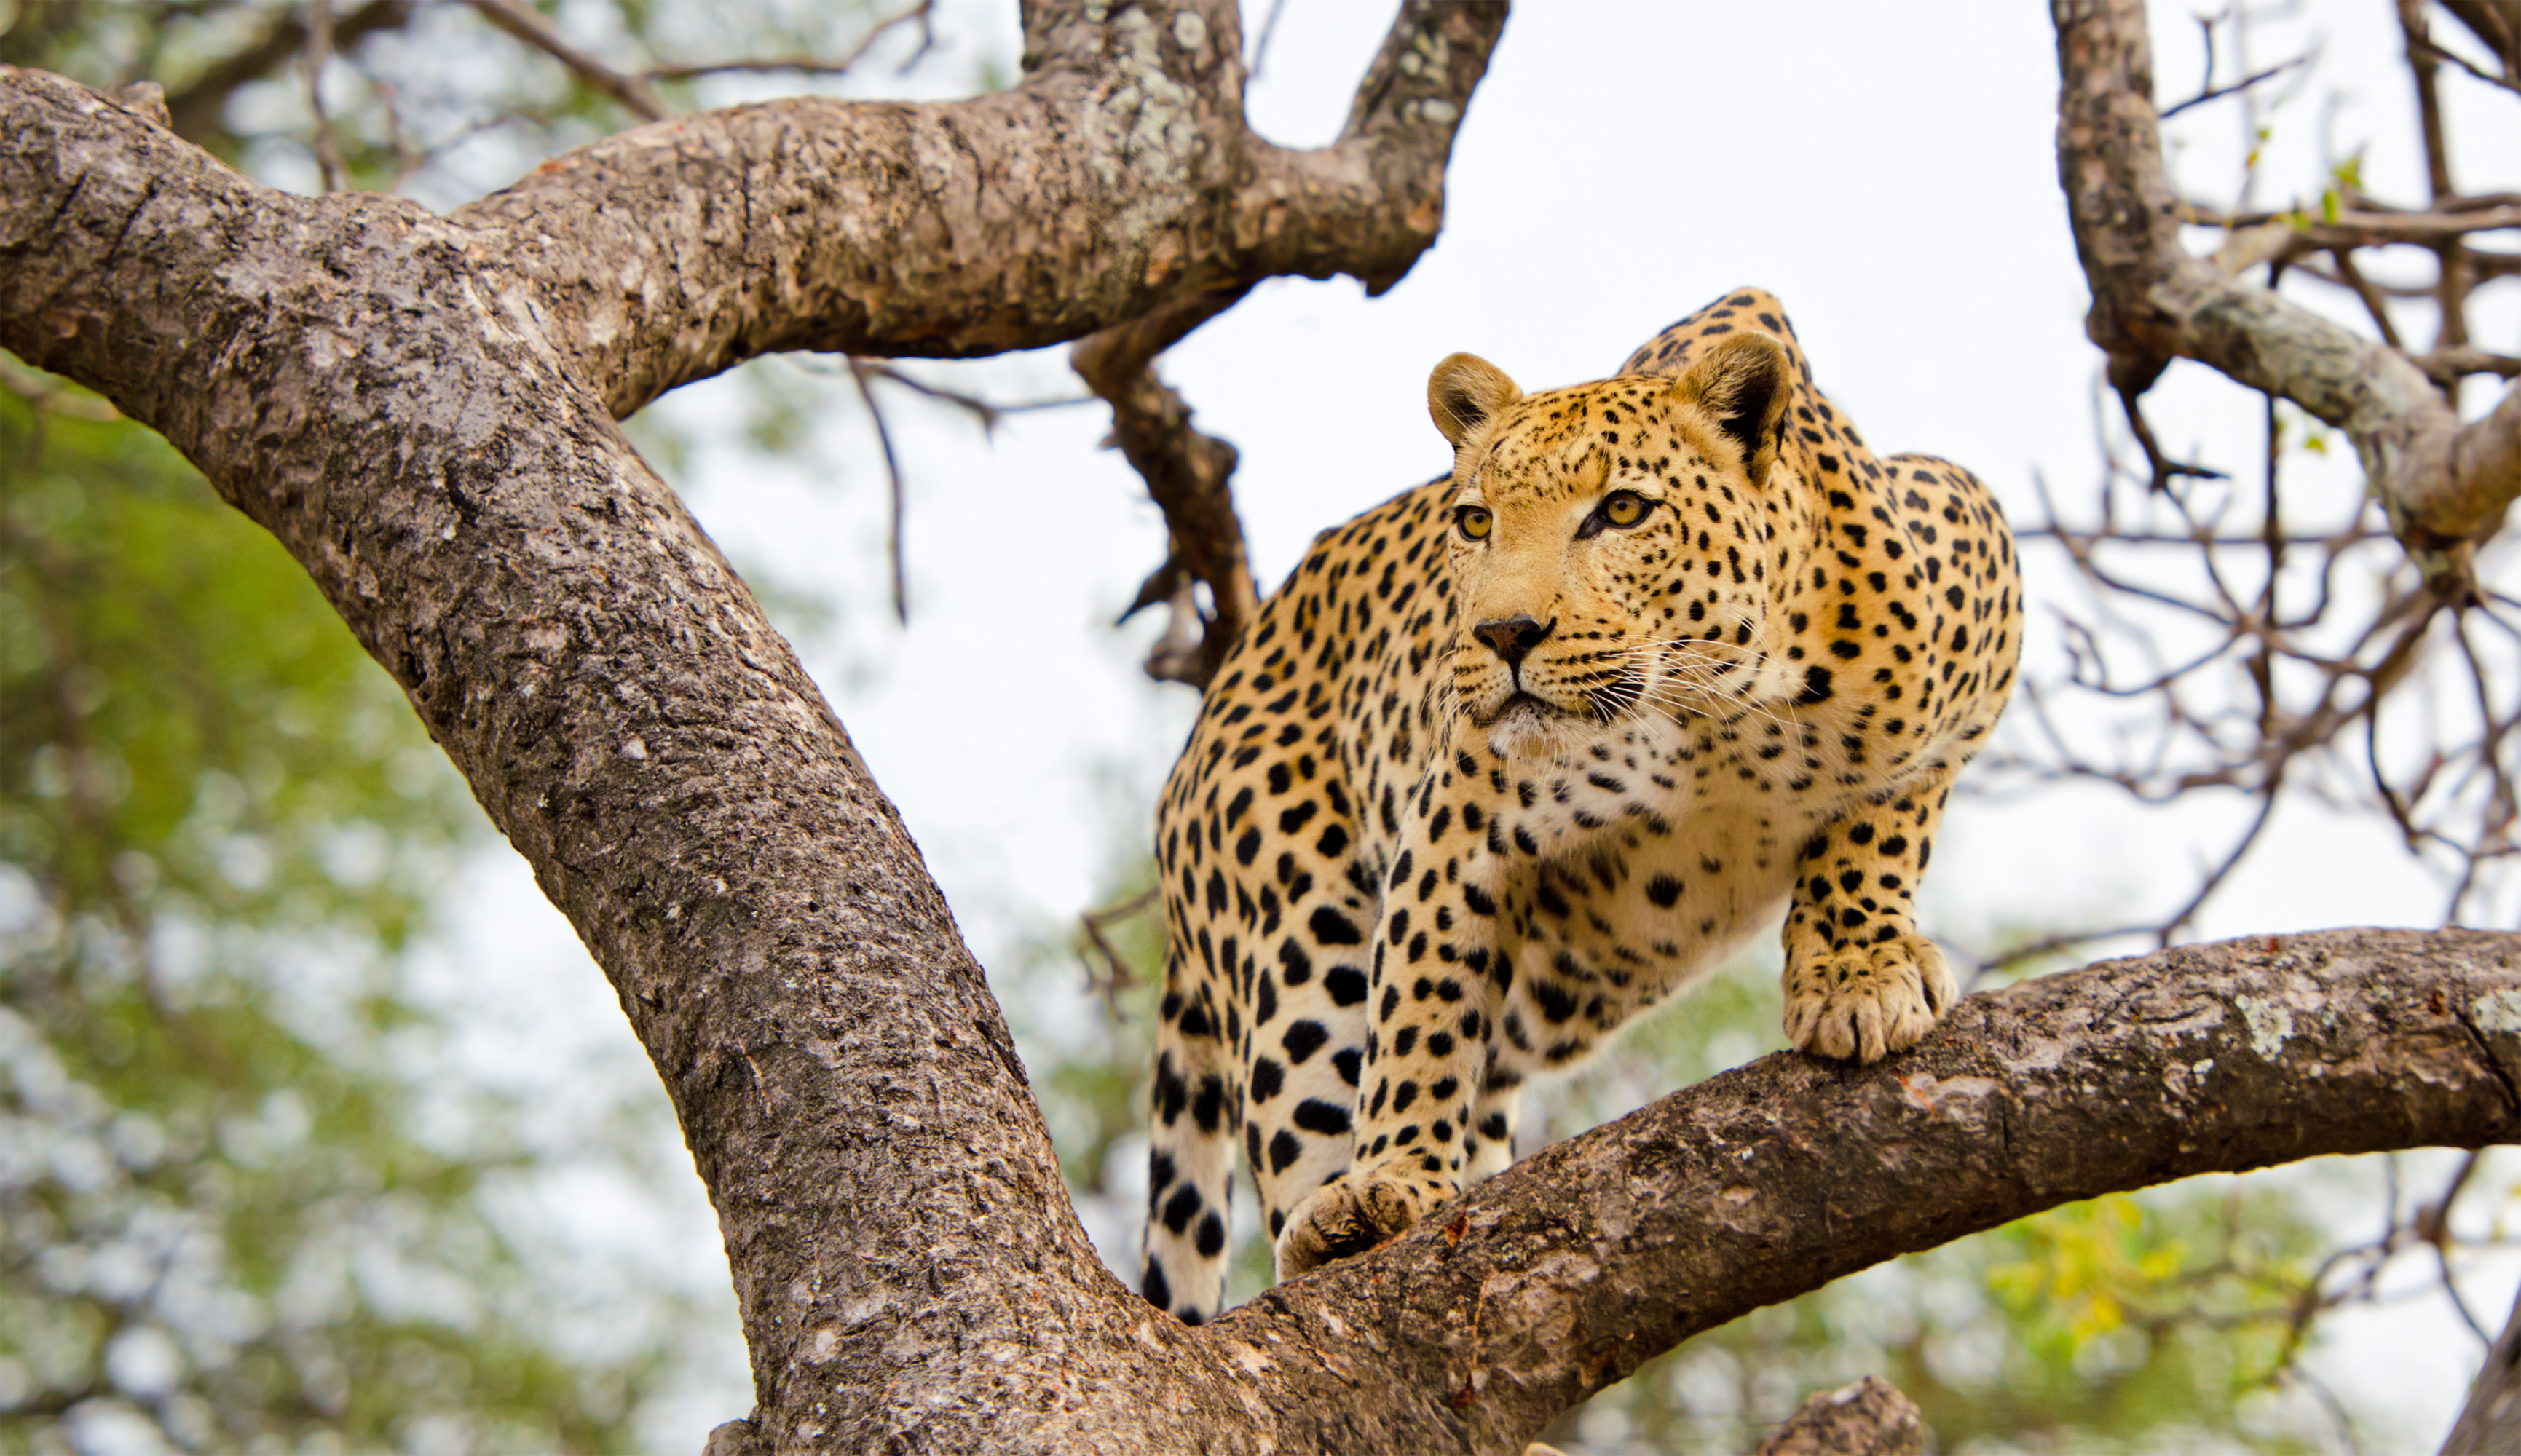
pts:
pixel 1610 543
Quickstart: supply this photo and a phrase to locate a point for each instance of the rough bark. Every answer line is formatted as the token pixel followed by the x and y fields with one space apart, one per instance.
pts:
pixel 1868 1418
pixel 422 410
pixel 1564 1274
pixel 2442 483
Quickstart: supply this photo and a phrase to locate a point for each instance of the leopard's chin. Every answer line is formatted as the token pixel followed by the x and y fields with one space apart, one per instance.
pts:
pixel 1526 726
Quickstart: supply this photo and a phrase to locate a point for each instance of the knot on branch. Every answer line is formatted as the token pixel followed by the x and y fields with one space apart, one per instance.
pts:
pixel 1870 1418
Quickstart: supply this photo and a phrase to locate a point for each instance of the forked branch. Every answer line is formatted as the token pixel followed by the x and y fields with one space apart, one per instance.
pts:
pixel 2444 485
pixel 421 409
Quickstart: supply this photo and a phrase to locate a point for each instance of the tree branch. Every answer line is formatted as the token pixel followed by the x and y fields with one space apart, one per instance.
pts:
pixel 1562 1275
pixel 2497 24
pixel 2152 302
pixel 421 410
pixel 1190 475
pixel 1116 177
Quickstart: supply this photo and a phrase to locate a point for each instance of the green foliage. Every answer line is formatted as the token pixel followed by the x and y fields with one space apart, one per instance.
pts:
pixel 218 823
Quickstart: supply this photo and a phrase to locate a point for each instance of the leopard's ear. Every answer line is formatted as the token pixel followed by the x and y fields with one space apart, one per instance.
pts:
pixel 1744 382
pixel 1464 392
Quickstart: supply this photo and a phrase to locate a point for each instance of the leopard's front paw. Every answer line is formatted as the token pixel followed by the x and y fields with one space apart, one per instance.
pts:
pixel 1359 1210
pixel 1866 1001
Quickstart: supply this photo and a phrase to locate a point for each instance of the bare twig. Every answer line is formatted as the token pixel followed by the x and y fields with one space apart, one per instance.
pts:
pixel 1190 475
pixel 525 25
pixel 2432 1227
pixel 319 54
pixel 2358 227
pixel 2490 1424
pixel 2500 82
pixel 2165 469
pixel 1116 975
pixel 2352 277
pixel 1268 30
pixel 923 14
pixel 987 412
pixel 2217 93
pixel 893 477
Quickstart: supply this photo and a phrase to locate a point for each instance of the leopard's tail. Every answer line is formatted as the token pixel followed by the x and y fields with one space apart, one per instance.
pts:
pixel 1190 1161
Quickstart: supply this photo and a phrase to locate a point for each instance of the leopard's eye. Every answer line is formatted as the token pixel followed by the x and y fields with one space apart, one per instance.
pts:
pixel 1624 508
pixel 1474 521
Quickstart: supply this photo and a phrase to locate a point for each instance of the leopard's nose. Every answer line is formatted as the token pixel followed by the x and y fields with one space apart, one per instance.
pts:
pixel 1512 637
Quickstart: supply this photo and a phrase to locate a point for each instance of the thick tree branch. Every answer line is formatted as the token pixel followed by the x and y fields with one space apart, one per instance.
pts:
pixel 1564 1274
pixel 2442 483
pixel 1117 178
pixel 421 410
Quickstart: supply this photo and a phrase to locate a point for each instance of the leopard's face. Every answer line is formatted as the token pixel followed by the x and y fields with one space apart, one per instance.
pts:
pixel 1609 550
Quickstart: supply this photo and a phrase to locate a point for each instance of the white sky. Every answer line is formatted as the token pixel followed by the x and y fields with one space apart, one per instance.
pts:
pixel 1888 170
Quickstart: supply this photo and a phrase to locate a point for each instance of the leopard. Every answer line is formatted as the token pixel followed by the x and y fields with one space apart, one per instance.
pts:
pixel 1663 660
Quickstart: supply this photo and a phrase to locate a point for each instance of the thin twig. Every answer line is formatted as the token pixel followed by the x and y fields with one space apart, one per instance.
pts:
pixel 893 473
pixel 2217 93
pixel 319 54
pixel 2165 469
pixel 1268 28
pixel 1117 976
pixel 922 12
pixel 527 25
pixel 2499 82
pixel 987 412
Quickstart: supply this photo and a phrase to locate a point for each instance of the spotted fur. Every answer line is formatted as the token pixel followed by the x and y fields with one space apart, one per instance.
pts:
pixel 1535 745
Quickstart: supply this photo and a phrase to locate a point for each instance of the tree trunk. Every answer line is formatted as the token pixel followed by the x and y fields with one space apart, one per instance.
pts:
pixel 422 410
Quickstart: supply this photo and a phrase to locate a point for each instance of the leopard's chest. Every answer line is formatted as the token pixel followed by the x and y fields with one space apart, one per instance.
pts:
pixel 1657 866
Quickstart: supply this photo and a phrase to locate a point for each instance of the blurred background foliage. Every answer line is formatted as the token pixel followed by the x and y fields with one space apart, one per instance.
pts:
pixel 244 1203
pixel 222 1224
